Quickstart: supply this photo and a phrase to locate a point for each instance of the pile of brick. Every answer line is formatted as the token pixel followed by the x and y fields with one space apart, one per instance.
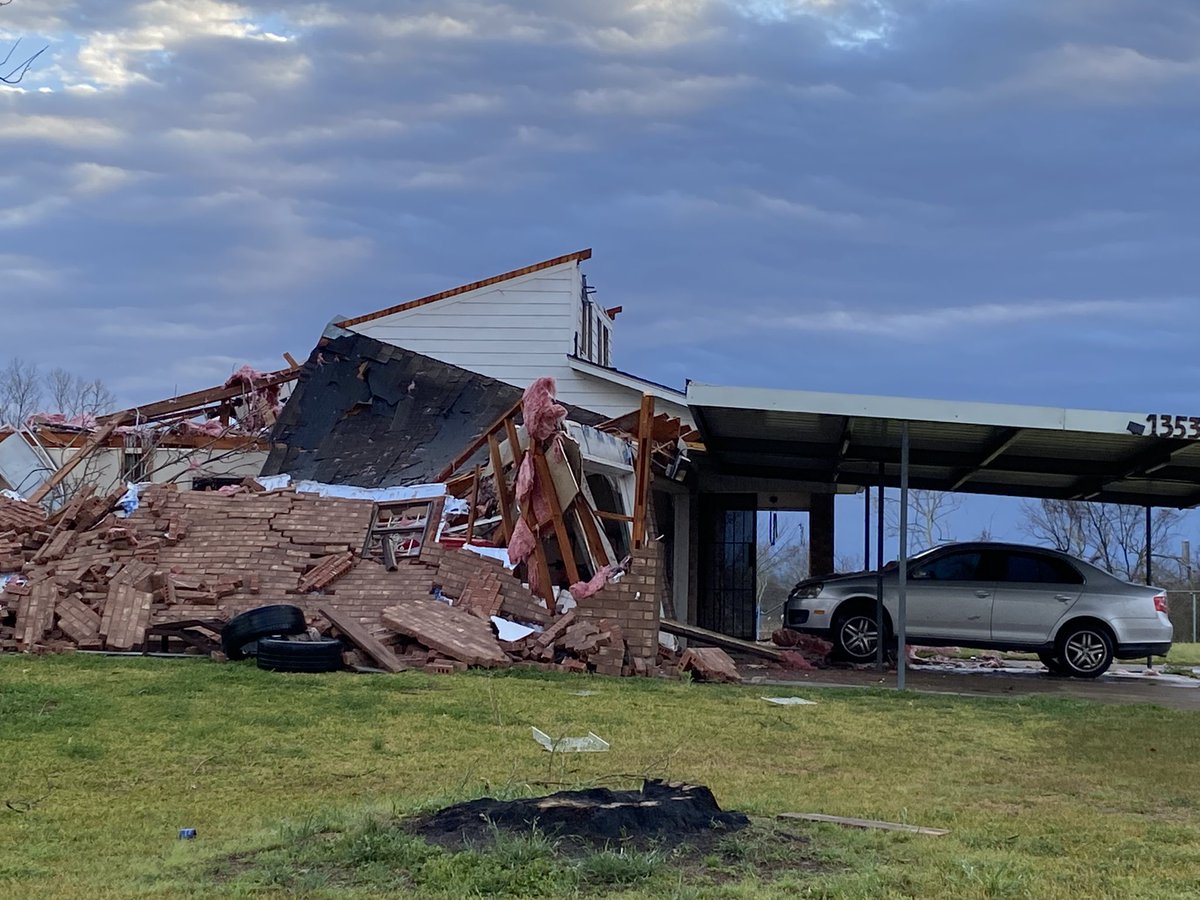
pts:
pixel 89 579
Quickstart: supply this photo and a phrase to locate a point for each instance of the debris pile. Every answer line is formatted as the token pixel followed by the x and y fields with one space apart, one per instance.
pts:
pixel 508 560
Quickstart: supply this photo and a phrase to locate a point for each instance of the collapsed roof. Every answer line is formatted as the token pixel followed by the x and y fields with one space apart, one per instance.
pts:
pixel 371 414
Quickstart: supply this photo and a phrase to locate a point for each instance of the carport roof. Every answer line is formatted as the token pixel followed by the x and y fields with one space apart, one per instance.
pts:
pixel 985 448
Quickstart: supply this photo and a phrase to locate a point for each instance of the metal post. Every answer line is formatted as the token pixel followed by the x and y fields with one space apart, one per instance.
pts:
pixel 867 529
pixel 902 561
pixel 1193 617
pixel 879 516
pixel 1149 555
pixel 1149 567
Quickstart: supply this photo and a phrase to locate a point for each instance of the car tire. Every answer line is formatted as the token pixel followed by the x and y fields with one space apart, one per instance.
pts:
pixel 1085 650
pixel 855 634
pixel 1053 663
pixel 260 623
pixel 280 655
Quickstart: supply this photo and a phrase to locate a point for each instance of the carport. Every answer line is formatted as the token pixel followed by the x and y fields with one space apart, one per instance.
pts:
pixel 1147 459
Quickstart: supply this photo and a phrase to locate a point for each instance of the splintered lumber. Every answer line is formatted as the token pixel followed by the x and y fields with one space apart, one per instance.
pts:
pixel 565 550
pixel 126 616
pixel 77 620
pixel 642 487
pixel 452 632
pixel 98 437
pixel 716 639
pixel 378 652
pixel 35 613
pixel 476 444
pixel 865 823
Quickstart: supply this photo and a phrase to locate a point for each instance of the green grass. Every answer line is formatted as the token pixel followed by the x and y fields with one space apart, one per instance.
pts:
pixel 1184 655
pixel 295 783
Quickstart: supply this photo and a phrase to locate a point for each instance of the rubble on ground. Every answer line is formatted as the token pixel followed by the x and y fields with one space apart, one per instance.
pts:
pixel 509 541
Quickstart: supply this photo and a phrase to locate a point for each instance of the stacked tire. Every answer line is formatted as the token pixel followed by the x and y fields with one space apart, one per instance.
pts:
pixel 265 633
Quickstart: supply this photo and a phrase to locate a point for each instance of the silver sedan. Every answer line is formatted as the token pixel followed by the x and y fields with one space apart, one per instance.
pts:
pixel 1076 617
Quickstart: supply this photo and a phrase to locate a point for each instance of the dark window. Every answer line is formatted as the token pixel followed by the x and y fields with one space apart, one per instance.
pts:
pixel 1033 567
pixel 216 482
pixel 952 567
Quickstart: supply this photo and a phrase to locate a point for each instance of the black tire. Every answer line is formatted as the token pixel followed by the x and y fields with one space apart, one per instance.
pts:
pixel 1053 663
pixel 279 655
pixel 855 635
pixel 1085 649
pixel 259 623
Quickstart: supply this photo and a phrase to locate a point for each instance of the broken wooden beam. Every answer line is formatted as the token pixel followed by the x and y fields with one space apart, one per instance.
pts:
pixel 92 443
pixel 375 649
pixel 716 639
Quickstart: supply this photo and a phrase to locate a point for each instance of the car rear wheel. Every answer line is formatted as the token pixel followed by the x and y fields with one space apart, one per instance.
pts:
pixel 856 636
pixel 1086 650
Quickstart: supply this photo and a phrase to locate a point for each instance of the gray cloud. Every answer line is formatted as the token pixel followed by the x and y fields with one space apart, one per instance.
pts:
pixel 852 194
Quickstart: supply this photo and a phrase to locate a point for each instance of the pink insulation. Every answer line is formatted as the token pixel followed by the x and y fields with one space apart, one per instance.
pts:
pixel 541 414
pixel 581 590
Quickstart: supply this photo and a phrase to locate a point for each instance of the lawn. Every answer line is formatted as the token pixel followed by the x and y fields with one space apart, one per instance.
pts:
pixel 294 785
pixel 1184 655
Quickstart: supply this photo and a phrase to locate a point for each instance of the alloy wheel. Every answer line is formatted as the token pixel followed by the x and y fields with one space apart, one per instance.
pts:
pixel 859 636
pixel 1085 650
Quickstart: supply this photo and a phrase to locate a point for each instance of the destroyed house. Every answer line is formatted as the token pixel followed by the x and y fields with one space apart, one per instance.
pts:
pixel 391 397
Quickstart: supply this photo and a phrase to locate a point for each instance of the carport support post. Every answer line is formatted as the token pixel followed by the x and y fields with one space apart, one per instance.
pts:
pixel 1149 565
pixel 879 517
pixel 902 561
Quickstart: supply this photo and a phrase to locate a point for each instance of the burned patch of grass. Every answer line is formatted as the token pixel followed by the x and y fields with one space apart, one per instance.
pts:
pixel 375 853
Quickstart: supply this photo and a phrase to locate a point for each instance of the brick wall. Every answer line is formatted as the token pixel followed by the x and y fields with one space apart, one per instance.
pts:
pixel 632 603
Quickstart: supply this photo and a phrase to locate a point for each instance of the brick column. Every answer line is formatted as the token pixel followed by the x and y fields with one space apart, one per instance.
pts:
pixel 820 534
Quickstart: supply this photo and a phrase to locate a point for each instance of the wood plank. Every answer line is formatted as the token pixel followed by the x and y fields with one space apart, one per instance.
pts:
pixel 716 639
pixel 506 515
pixel 556 515
pixel 362 639
pixel 539 549
pixel 642 488
pixel 174 406
pixel 94 442
pixel 476 444
pixel 474 503
pixel 864 823
pixel 584 514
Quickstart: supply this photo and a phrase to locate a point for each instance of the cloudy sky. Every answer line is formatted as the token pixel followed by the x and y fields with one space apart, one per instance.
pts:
pixel 947 198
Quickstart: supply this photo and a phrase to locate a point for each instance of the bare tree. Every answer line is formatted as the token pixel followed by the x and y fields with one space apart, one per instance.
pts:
pixel 929 517
pixel 15 65
pixel 1112 536
pixel 21 392
pixel 72 395
pixel 24 390
pixel 782 562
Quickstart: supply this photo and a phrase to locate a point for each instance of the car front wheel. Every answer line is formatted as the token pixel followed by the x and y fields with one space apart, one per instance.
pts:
pixel 1086 651
pixel 856 637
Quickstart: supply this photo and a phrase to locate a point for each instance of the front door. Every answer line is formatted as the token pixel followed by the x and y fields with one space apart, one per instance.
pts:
pixel 949 598
pixel 1033 591
pixel 728 564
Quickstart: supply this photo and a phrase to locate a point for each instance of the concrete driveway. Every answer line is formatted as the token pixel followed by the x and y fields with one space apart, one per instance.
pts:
pixel 1121 684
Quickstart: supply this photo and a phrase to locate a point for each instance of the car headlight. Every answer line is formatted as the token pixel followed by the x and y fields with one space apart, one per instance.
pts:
pixel 807 591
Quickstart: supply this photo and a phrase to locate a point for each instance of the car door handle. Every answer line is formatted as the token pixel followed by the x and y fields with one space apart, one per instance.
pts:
pixel 1063 598
pixel 983 595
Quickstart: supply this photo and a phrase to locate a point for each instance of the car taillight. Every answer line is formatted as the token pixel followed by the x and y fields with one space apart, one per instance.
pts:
pixel 1160 603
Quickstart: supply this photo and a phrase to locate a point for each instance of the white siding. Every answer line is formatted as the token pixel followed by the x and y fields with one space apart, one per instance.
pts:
pixel 515 331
